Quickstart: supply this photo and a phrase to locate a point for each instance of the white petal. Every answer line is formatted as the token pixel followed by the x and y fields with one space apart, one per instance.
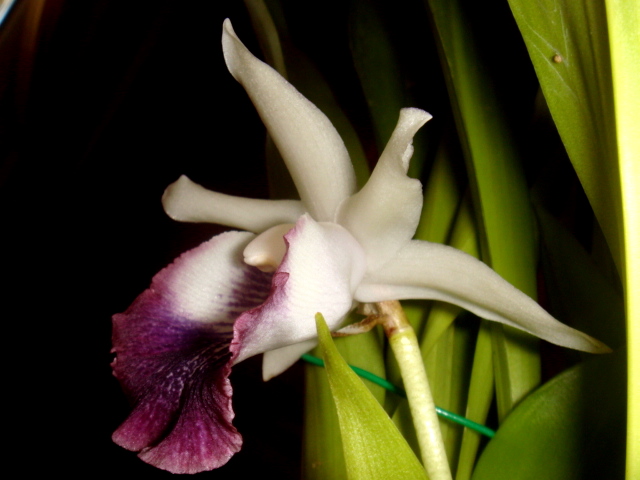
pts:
pixel 267 250
pixel 186 201
pixel 320 272
pixel 211 281
pixel 424 270
pixel 274 362
pixel 309 144
pixel 384 215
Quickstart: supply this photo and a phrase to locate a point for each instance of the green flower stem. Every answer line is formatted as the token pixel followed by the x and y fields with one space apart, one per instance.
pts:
pixel 405 347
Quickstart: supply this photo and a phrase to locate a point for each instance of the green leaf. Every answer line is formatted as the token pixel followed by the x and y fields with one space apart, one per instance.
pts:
pixel 373 447
pixel 441 197
pixel 568 429
pixel 587 57
pixel 323 453
pixel 377 65
pixel 623 17
pixel 498 185
pixel 569 47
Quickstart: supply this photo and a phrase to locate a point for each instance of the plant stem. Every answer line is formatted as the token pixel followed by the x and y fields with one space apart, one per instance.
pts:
pixel 407 351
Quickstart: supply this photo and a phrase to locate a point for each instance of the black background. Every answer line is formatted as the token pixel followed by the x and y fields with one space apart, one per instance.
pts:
pixel 103 106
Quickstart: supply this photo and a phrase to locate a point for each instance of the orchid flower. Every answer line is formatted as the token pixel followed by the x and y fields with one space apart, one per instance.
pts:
pixel 255 291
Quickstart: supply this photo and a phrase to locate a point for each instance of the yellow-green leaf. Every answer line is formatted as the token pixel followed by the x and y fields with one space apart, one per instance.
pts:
pixel 373 447
pixel 568 45
pixel 566 430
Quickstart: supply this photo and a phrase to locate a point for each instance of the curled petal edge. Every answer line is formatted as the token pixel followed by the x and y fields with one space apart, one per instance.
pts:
pixel 173 359
pixel 384 215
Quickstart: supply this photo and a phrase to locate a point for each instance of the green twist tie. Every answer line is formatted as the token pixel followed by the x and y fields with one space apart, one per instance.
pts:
pixel 454 417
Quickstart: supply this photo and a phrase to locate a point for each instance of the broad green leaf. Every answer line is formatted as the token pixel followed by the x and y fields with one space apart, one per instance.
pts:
pixel 323 453
pixel 365 351
pixel 373 447
pixel 569 47
pixel 587 57
pixel 498 185
pixel 568 429
pixel 581 296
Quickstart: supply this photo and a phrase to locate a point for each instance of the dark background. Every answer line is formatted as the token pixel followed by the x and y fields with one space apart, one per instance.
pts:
pixel 102 105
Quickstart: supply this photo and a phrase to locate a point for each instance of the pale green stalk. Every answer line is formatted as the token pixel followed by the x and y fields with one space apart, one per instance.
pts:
pixel 405 347
pixel 448 368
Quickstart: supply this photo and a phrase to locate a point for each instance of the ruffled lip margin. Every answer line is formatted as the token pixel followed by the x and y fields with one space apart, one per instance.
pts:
pixel 174 369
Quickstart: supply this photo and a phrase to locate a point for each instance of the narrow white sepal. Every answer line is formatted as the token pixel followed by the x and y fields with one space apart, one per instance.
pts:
pixel 311 147
pixel 186 201
pixel 424 270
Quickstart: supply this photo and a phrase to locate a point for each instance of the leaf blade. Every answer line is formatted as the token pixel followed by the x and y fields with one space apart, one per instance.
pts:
pixel 372 445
